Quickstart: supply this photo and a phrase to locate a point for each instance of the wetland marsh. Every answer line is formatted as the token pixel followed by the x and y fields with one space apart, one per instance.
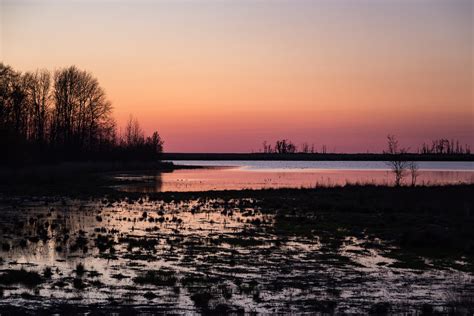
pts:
pixel 352 249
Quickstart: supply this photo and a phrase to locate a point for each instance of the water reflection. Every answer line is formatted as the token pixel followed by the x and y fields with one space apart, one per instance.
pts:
pixel 146 183
pixel 238 178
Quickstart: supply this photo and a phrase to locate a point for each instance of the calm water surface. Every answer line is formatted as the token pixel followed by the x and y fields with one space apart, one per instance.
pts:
pixel 237 175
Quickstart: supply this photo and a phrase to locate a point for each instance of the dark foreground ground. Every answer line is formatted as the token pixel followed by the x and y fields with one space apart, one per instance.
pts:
pixel 354 249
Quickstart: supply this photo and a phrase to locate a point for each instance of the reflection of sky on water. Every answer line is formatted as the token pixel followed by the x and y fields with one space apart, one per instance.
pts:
pixel 269 165
pixel 296 174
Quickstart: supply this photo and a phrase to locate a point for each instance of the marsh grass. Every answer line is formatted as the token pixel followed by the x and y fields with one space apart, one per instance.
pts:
pixel 157 277
pixel 23 277
pixel 80 269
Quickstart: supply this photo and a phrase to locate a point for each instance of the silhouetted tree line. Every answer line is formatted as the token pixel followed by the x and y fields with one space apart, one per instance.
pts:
pixel 445 146
pixel 441 146
pixel 64 115
pixel 285 146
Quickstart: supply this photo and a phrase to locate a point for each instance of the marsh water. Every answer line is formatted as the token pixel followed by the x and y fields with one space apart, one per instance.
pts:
pixel 227 253
pixel 238 175
pixel 200 255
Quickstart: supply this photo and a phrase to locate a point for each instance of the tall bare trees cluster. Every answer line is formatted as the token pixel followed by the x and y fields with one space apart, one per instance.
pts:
pixel 65 114
pixel 285 146
pixel 445 146
pixel 81 116
pixel 133 141
pixel 282 146
pixel 38 87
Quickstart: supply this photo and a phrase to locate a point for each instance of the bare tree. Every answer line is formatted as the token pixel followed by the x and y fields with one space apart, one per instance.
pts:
pixel 267 148
pixel 65 98
pixel 284 146
pixel 134 135
pixel 82 113
pixel 155 143
pixel 97 122
pixel 305 148
pixel 414 172
pixel 38 90
pixel 396 162
pixel 19 113
pixel 8 82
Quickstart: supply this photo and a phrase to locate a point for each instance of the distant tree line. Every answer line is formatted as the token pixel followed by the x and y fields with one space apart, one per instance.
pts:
pixel 440 146
pixel 444 146
pixel 285 146
pixel 64 115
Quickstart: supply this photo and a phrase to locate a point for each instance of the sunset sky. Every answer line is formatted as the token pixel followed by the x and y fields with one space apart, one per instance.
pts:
pixel 223 76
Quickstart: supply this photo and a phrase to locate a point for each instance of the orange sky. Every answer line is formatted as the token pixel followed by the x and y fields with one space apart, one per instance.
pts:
pixel 222 76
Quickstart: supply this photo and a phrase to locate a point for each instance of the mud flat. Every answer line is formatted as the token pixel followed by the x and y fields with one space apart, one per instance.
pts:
pixel 353 249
